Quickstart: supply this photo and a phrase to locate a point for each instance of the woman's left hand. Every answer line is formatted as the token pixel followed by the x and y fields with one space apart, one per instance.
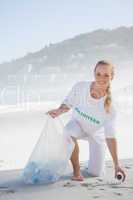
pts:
pixel 119 169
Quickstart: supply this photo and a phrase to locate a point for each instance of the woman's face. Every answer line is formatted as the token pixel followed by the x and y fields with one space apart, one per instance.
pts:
pixel 103 75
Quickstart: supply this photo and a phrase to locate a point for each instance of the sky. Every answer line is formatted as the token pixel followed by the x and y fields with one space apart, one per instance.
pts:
pixel 28 25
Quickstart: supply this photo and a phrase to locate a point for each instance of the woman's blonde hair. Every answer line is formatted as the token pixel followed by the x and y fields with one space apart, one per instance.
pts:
pixel 108 98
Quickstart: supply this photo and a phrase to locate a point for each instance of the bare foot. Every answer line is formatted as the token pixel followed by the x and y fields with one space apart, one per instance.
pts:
pixel 78 178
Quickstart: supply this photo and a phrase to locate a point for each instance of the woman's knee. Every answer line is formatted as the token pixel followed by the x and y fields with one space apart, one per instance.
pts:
pixel 96 173
pixel 96 169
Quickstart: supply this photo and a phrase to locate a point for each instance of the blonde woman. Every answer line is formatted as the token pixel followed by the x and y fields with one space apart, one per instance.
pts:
pixel 93 119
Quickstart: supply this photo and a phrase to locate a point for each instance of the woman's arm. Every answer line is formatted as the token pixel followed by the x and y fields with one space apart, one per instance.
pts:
pixel 56 112
pixel 112 146
pixel 63 108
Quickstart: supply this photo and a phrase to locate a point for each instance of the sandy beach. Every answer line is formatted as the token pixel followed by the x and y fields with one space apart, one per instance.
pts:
pixel 12 187
pixel 22 129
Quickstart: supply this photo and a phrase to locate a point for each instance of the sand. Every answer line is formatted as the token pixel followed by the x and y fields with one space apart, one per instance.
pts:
pixel 12 187
pixel 19 129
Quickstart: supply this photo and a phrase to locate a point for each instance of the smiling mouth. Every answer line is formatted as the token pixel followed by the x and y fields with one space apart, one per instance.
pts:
pixel 102 82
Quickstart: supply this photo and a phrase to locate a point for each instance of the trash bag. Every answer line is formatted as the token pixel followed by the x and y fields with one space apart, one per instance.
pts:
pixel 50 157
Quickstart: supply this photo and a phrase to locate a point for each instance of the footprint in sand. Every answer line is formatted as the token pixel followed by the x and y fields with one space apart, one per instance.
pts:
pixel 100 180
pixel 118 193
pixel 89 186
pixel 85 184
pixel 96 197
pixel 68 184
pixel 101 189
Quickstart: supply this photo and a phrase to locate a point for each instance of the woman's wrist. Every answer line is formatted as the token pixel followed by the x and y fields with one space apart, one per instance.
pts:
pixel 63 108
pixel 116 164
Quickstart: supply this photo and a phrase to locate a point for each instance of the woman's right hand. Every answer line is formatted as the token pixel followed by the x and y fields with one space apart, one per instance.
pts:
pixel 54 113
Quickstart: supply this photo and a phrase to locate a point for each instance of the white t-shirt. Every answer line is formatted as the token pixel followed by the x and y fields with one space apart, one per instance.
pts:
pixel 90 112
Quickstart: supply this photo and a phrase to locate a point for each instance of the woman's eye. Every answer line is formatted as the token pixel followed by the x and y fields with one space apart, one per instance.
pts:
pixel 105 75
pixel 98 74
